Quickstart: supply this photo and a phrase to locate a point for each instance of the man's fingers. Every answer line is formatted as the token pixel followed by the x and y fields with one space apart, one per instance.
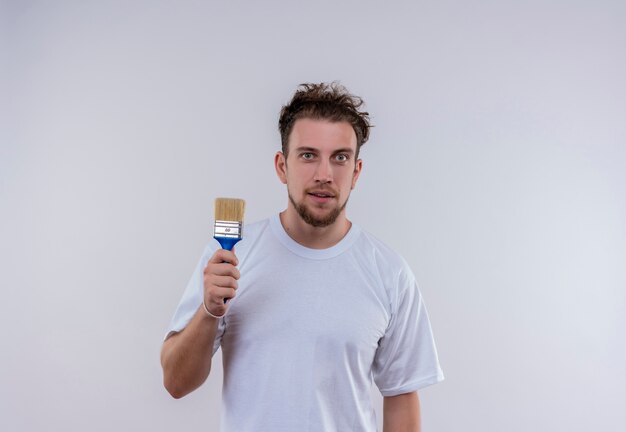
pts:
pixel 222 269
pixel 224 256
pixel 215 303
pixel 222 281
pixel 221 294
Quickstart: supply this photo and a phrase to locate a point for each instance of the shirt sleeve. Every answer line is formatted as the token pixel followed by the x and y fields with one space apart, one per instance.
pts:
pixel 406 359
pixel 192 299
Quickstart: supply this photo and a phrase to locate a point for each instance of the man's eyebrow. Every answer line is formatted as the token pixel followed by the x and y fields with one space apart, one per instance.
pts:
pixel 344 150
pixel 306 149
pixel 315 150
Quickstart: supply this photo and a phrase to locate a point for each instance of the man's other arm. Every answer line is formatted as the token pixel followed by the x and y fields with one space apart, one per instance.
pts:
pixel 401 413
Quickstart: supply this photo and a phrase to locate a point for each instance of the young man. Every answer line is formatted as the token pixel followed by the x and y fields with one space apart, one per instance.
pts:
pixel 318 306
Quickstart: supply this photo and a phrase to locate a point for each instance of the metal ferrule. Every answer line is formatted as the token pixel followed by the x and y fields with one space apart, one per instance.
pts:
pixel 228 229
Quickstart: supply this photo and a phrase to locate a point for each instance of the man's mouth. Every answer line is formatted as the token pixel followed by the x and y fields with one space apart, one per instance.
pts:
pixel 321 194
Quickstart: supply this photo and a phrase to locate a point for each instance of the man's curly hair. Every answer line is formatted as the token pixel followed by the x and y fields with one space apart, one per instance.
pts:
pixel 324 101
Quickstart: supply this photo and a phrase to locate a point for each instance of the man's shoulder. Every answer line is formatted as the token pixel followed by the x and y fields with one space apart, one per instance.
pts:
pixel 384 255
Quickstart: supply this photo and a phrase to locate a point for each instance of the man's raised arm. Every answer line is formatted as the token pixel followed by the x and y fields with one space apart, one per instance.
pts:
pixel 186 355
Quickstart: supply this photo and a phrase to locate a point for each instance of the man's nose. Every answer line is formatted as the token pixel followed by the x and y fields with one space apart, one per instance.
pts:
pixel 323 172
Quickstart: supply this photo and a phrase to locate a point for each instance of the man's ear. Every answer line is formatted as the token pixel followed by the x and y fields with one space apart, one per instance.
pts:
pixel 280 164
pixel 357 171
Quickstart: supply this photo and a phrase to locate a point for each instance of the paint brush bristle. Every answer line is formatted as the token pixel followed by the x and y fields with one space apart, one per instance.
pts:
pixel 229 209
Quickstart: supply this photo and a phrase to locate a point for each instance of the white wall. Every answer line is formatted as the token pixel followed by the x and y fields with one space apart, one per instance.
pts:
pixel 496 168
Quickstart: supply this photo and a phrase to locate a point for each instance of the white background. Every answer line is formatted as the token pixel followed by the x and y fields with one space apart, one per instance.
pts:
pixel 496 167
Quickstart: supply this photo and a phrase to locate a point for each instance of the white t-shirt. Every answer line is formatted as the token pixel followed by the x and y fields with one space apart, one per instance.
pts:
pixel 310 328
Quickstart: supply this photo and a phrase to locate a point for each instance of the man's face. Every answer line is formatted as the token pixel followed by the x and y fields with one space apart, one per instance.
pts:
pixel 320 169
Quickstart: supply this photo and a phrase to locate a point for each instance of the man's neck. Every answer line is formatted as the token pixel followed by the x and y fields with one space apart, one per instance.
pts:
pixel 314 237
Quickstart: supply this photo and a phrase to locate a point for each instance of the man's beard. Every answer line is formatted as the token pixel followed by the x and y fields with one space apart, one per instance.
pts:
pixel 311 219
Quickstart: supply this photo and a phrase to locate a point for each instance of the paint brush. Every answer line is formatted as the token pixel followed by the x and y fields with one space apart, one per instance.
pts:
pixel 228 221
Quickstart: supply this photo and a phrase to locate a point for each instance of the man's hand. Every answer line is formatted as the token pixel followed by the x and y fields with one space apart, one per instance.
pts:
pixel 220 281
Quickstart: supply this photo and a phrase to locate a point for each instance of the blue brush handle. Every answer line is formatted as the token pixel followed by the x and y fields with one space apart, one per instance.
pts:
pixel 227 243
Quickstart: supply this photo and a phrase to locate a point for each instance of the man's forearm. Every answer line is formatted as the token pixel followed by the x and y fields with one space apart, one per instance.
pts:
pixel 186 356
pixel 401 413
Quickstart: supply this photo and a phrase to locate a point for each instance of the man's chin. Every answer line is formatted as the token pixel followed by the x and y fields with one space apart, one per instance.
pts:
pixel 317 219
pixel 320 222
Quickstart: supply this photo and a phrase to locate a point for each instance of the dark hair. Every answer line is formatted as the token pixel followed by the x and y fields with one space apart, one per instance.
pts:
pixel 324 101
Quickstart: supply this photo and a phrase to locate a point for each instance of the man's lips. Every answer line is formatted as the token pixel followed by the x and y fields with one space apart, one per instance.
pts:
pixel 321 196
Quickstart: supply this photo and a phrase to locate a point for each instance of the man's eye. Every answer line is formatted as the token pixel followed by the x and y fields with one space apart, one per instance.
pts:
pixel 307 156
pixel 341 157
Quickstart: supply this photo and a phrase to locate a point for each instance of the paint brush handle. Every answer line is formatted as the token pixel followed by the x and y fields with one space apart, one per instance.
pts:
pixel 227 242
